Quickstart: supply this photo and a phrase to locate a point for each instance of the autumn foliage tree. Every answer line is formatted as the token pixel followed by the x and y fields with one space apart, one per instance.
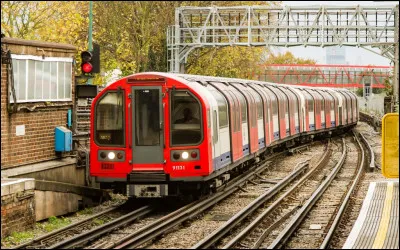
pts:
pixel 131 35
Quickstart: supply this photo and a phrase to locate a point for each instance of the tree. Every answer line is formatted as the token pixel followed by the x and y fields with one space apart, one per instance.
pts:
pixel 22 18
pixel 286 58
pixel 131 35
pixel 388 83
pixel 233 61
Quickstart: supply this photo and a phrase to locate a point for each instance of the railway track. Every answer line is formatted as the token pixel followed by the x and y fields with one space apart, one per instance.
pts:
pixel 168 223
pixel 309 227
pixel 82 233
pixel 52 238
pixel 94 226
pixel 312 219
pixel 212 239
pixel 351 209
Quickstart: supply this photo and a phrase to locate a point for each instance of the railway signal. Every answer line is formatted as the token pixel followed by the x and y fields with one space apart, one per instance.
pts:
pixel 91 60
pixel 86 65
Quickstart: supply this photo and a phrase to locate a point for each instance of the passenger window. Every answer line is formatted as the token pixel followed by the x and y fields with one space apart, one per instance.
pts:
pixel 254 112
pixel 310 101
pixel 222 106
pixel 215 130
pixel 208 118
pixel 243 106
pixel 185 119
pixel 237 114
pixel 259 110
pixel 274 102
pixel 235 111
pixel 322 102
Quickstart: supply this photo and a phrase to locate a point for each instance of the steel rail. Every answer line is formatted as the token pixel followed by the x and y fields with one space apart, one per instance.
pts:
pixel 215 236
pixel 167 222
pixel 302 213
pixel 345 202
pixel 81 239
pixel 324 159
pixel 59 232
pixel 371 153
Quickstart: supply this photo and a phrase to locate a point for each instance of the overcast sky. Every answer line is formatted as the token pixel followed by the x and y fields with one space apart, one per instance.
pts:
pixel 354 56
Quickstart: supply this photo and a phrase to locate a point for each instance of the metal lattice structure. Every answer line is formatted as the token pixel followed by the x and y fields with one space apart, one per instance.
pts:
pixel 335 76
pixel 361 26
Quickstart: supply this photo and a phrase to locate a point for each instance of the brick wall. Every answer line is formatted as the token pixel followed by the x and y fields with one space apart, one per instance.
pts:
pixel 17 207
pixel 39 118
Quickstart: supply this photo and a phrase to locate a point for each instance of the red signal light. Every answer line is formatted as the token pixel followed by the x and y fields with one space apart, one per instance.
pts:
pixel 193 154
pixel 87 67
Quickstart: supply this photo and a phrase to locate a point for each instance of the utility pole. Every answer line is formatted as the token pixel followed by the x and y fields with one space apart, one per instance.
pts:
pixel 396 62
pixel 90 47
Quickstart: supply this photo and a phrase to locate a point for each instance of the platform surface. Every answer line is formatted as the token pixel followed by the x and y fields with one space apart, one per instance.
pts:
pixel 377 225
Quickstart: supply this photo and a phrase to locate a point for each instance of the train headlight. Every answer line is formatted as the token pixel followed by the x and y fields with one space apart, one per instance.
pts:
pixel 111 155
pixel 185 155
pixel 176 156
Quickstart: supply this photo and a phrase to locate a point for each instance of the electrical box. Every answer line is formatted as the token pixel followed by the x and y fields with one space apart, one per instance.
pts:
pixel 63 139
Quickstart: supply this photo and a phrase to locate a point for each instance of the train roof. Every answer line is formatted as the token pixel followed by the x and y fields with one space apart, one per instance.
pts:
pixel 186 78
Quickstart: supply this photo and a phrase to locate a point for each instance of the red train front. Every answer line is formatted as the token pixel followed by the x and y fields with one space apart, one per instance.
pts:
pixel 147 131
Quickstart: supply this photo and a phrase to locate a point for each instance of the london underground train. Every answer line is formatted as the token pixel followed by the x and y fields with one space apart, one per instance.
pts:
pixel 161 134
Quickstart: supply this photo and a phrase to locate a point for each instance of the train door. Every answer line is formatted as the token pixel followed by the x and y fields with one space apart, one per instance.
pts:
pixel 260 116
pixel 274 124
pixel 346 108
pixel 353 106
pixel 283 104
pixel 264 109
pixel 220 124
pixel 236 127
pixel 147 125
pixel 334 111
pixel 232 122
pixel 317 109
pixel 299 109
pixel 321 107
pixel 245 121
pixel 327 105
pixel 311 110
pixel 293 114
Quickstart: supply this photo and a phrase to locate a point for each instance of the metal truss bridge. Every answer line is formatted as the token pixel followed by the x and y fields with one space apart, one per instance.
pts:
pixel 361 26
pixel 334 76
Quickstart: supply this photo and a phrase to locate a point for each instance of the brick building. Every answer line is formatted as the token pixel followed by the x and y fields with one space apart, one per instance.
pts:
pixel 37 92
pixel 42 83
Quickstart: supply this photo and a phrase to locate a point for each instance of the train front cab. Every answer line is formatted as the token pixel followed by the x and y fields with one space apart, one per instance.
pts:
pixel 143 138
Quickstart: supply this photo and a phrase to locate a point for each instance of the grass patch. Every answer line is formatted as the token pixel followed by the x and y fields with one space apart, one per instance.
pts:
pixel 87 210
pixel 17 238
pixel 54 223
pixel 98 221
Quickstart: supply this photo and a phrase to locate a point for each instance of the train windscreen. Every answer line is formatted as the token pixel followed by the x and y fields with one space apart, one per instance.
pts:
pixel 185 119
pixel 109 117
